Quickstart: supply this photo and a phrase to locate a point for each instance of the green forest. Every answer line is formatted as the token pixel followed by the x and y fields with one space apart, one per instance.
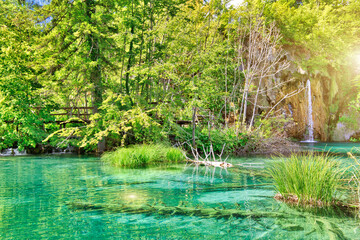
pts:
pixel 98 74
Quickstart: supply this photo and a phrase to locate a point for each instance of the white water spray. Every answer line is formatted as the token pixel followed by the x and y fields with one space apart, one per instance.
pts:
pixel 309 113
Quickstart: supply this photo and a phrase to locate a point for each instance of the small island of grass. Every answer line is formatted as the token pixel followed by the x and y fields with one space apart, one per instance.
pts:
pixel 307 179
pixel 143 155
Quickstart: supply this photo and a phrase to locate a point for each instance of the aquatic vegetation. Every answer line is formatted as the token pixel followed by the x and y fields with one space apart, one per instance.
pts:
pixel 307 178
pixel 355 178
pixel 143 155
pixel 174 154
pixel 162 209
pixel 326 227
pixel 153 202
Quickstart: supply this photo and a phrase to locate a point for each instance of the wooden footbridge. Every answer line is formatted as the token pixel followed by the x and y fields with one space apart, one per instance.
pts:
pixel 84 114
pixel 81 115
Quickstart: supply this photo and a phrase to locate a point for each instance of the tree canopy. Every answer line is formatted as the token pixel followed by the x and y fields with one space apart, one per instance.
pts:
pixel 139 67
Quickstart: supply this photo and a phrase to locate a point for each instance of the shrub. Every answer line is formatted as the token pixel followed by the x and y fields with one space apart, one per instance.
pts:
pixel 143 155
pixel 307 178
pixel 218 137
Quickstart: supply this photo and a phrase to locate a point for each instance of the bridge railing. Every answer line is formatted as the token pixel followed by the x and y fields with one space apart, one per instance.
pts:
pixel 83 113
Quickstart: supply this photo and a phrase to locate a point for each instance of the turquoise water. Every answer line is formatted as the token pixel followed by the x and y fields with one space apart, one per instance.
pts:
pixel 335 147
pixel 35 190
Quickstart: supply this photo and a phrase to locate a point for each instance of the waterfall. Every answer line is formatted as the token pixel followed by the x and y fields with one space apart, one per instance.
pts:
pixel 310 123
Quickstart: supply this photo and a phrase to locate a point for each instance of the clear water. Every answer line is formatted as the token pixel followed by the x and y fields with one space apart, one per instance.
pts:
pixel 35 190
pixel 335 147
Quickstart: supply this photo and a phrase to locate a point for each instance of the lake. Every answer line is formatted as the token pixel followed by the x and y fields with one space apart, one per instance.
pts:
pixel 36 194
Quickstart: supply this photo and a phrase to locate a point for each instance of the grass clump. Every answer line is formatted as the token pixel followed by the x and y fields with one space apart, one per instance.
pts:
pixel 355 179
pixel 143 155
pixel 307 178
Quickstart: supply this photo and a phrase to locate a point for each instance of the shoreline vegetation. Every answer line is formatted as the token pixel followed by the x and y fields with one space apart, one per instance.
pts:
pixel 302 179
pixel 143 156
pixel 192 71
pixel 316 180
pixel 224 140
pixel 155 83
pixel 307 178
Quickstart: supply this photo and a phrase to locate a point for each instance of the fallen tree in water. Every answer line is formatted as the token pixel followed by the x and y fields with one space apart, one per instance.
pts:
pixel 209 158
pixel 323 226
pixel 177 210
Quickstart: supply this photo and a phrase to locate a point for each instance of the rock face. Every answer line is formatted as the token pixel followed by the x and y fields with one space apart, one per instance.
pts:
pixel 331 92
pixel 344 133
pixel 297 107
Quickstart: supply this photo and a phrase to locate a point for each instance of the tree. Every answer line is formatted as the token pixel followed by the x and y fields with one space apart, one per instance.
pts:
pixel 321 35
pixel 76 51
pixel 21 121
pixel 261 59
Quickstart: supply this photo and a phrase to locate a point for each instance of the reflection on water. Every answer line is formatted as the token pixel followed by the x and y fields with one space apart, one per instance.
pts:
pixel 34 192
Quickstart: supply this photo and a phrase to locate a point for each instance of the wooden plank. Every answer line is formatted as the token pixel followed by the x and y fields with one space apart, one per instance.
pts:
pixel 69 108
pixel 58 122
pixel 73 121
pixel 73 114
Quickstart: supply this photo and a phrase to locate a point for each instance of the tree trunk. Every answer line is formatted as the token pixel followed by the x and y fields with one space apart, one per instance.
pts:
pixel 194 127
pixel 127 76
pixel 95 72
pixel 255 103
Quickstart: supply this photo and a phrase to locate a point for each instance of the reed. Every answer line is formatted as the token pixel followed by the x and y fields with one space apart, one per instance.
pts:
pixel 355 179
pixel 143 155
pixel 307 178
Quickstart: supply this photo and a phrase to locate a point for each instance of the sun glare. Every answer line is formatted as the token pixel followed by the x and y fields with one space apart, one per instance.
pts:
pixel 236 3
pixel 357 59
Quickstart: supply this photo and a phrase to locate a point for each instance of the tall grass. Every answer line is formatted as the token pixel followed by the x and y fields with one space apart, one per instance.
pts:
pixel 143 155
pixel 355 178
pixel 311 178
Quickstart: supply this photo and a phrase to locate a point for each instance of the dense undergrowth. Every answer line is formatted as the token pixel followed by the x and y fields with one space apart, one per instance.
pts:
pixel 133 90
pixel 215 137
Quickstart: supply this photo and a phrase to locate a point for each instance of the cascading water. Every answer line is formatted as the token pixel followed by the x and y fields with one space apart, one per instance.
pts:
pixel 310 124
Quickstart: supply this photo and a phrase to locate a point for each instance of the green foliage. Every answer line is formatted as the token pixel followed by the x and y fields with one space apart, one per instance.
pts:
pixel 352 139
pixel 312 178
pixel 355 178
pixel 119 120
pixel 272 126
pixel 20 121
pixel 350 120
pixel 351 117
pixel 143 65
pixel 143 155
pixel 64 137
pixel 174 155
pixel 217 137
pixel 322 35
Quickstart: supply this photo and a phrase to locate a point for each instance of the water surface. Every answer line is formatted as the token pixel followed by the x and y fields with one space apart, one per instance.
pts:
pixel 335 147
pixel 35 190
